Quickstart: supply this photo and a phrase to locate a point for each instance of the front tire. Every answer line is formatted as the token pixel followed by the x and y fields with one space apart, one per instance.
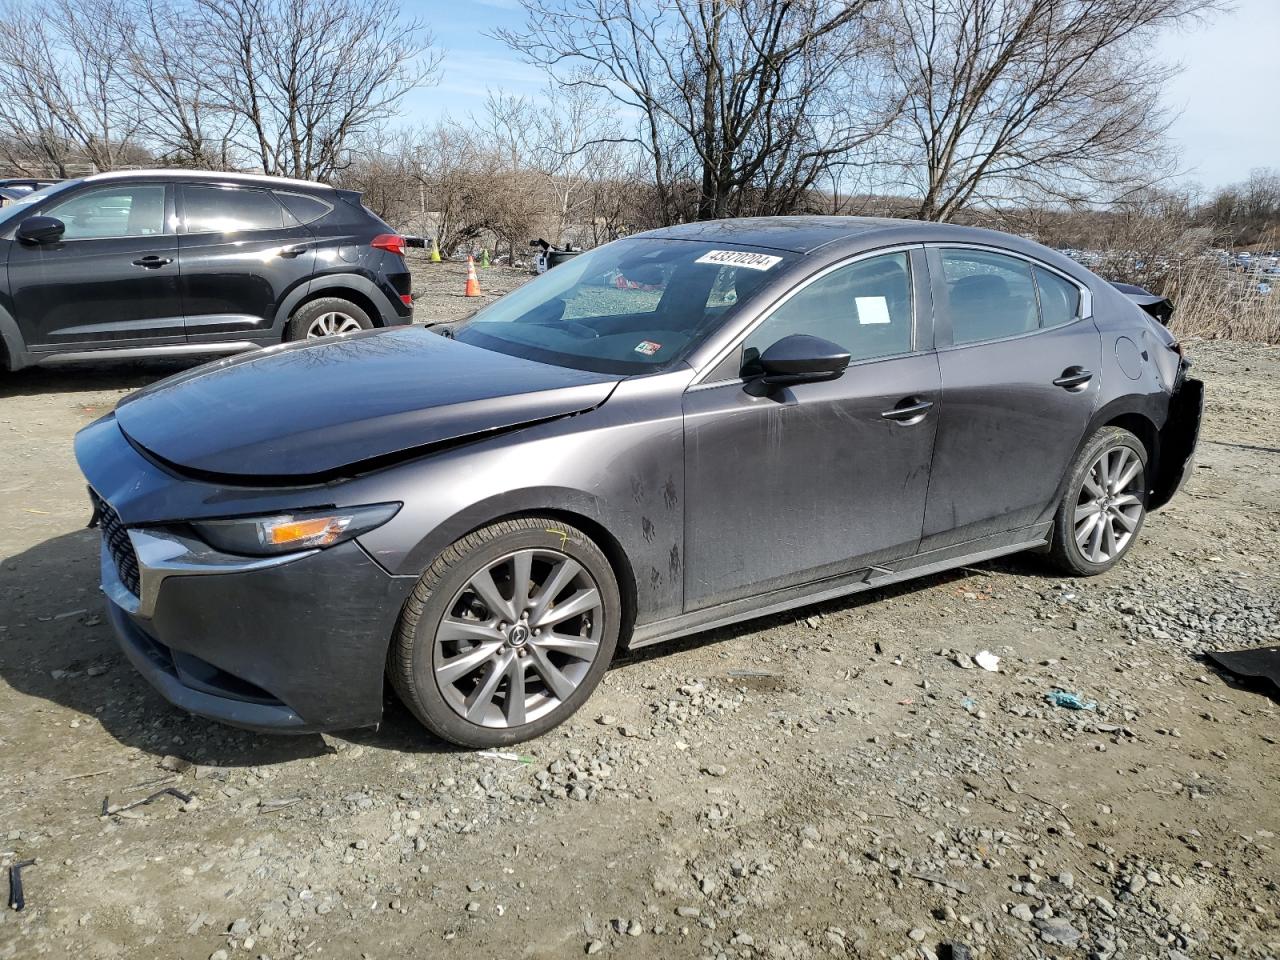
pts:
pixel 1105 505
pixel 507 633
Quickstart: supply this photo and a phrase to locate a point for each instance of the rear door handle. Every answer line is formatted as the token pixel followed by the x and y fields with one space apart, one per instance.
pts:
pixel 293 250
pixel 1073 378
pixel 152 262
pixel 908 411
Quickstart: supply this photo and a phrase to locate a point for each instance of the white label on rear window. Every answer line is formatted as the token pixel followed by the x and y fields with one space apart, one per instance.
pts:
pixel 872 309
pixel 736 258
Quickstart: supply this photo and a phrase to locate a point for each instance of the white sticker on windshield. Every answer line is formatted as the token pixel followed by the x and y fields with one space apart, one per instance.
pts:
pixel 872 309
pixel 737 258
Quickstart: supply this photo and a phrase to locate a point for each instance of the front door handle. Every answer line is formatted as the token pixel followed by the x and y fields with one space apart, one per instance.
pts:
pixel 908 411
pixel 293 250
pixel 1074 378
pixel 152 262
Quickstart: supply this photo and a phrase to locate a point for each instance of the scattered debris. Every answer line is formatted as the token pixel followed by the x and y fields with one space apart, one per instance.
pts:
pixel 17 901
pixel 504 755
pixel 988 661
pixel 1070 701
pixel 109 810
pixel 1262 663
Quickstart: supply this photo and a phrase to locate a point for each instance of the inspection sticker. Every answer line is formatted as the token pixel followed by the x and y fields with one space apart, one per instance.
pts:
pixel 648 347
pixel 872 309
pixel 737 258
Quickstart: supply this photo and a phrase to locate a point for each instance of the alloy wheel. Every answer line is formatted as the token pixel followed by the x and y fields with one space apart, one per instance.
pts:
pixel 1110 504
pixel 519 638
pixel 331 324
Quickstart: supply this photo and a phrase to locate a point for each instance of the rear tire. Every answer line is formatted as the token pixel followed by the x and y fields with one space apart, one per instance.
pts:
pixel 507 633
pixel 1105 505
pixel 326 317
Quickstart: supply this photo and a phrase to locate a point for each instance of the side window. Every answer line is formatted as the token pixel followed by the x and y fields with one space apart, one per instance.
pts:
pixel 991 295
pixel 127 210
pixel 304 208
pixel 210 209
pixel 1059 300
pixel 864 307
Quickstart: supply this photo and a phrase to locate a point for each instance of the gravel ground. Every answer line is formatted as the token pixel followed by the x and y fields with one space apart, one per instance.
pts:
pixel 838 782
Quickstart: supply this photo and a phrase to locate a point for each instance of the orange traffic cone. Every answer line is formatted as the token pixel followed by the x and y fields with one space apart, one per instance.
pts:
pixel 473 285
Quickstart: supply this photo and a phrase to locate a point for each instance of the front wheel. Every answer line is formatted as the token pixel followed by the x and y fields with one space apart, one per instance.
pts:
pixel 1105 506
pixel 507 633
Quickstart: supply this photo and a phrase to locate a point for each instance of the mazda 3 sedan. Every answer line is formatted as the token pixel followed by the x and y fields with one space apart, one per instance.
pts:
pixel 676 431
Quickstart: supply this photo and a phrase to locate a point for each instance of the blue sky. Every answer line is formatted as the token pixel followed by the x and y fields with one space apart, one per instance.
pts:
pixel 1226 97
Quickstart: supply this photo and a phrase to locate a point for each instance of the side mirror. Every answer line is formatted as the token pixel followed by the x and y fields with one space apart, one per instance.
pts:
pixel 40 230
pixel 801 358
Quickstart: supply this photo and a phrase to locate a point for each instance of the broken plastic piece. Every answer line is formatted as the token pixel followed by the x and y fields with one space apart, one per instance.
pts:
pixel 988 661
pixel 1070 701
pixel 16 899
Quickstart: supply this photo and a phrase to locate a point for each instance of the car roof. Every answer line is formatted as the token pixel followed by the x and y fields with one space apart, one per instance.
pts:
pixel 806 234
pixel 206 176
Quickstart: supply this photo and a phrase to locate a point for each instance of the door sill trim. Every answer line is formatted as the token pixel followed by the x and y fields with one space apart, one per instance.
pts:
pixel 141 353
pixel 856 581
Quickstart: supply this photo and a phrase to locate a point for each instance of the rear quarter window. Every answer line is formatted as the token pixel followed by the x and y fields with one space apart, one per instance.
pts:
pixel 302 207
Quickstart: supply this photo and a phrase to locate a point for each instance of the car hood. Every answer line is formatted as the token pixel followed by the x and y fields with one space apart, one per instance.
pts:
pixel 312 409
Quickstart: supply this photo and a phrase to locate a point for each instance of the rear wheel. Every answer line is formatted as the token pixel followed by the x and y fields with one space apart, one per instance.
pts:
pixel 507 634
pixel 327 317
pixel 1105 506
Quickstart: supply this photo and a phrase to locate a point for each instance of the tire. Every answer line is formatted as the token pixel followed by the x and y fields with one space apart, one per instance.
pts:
pixel 338 315
pixel 1085 547
pixel 455 658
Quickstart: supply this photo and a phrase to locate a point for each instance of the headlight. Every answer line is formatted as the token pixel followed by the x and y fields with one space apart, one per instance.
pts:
pixel 288 532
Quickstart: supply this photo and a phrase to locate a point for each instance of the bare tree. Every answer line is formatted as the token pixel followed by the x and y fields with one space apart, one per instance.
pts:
pixel 184 121
pixel 64 100
pixel 1022 100
pixel 306 77
pixel 756 99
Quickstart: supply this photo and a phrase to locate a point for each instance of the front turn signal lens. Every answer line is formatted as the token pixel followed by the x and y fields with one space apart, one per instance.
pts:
pixel 286 532
pixel 317 532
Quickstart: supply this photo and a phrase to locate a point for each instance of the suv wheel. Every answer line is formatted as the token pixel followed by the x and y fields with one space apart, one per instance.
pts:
pixel 1102 513
pixel 327 317
pixel 507 634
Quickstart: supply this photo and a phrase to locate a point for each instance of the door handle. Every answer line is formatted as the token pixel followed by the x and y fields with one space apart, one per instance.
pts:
pixel 1073 378
pixel 908 411
pixel 152 262
pixel 293 250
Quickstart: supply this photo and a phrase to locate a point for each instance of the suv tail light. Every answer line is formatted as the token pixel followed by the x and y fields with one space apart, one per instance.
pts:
pixel 391 242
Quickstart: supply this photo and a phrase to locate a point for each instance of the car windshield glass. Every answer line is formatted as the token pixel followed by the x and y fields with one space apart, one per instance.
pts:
pixel 632 306
pixel 20 206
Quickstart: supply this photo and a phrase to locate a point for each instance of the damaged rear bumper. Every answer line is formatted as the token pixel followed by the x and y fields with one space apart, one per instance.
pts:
pixel 1178 439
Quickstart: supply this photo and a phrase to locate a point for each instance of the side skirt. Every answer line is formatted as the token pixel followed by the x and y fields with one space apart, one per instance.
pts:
pixel 867 578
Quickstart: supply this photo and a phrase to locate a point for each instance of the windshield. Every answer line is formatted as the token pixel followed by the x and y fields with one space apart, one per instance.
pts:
pixel 19 207
pixel 631 306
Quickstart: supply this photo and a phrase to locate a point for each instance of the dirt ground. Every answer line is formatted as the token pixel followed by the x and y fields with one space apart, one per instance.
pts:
pixel 841 781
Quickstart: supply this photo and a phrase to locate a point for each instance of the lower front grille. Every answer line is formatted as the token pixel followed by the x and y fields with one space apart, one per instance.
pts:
pixel 118 543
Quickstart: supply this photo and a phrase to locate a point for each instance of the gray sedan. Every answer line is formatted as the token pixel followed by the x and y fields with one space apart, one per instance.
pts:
pixel 680 430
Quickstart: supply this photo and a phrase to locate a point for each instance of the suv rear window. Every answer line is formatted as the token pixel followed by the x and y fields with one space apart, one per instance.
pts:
pixel 213 209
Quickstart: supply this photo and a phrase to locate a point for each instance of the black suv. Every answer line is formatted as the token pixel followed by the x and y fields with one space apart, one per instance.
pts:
pixel 156 263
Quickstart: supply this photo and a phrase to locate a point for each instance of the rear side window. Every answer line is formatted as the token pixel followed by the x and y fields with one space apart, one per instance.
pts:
pixel 212 209
pixel 303 208
pixel 991 295
pixel 1059 300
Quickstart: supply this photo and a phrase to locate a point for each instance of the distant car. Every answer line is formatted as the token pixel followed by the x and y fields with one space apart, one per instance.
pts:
pixel 163 263
pixel 767 413
pixel 15 188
